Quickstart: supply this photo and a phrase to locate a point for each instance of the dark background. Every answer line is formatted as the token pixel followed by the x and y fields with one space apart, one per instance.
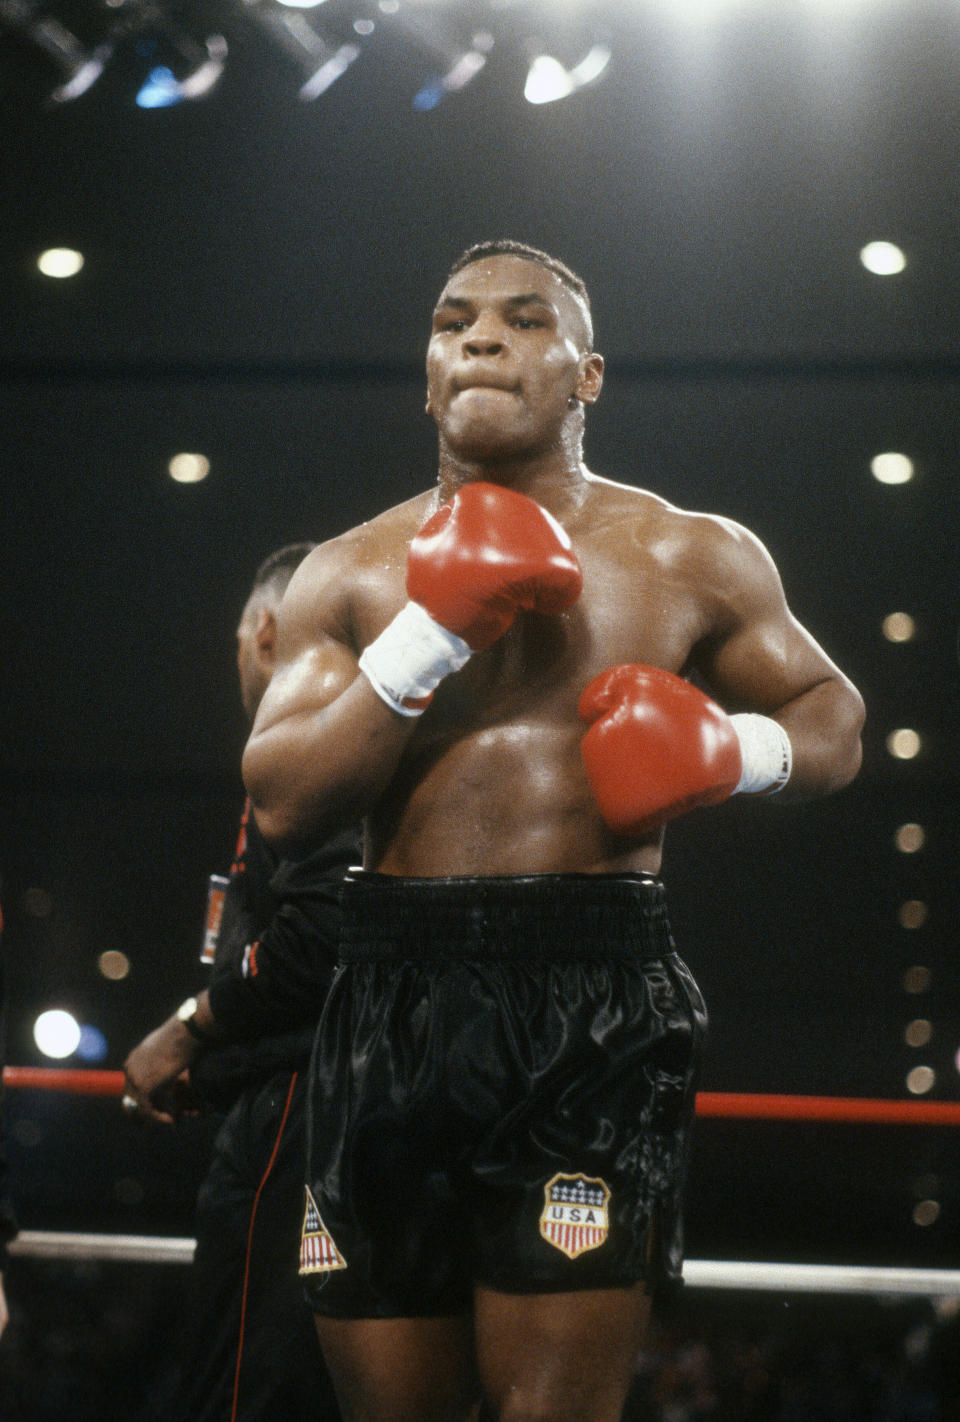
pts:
pixel 259 273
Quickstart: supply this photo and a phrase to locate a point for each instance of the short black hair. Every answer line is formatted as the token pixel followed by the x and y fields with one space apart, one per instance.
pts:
pixel 275 572
pixel 506 247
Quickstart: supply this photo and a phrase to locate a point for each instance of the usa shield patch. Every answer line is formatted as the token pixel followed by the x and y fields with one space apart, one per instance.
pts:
pixel 318 1253
pixel 575 1216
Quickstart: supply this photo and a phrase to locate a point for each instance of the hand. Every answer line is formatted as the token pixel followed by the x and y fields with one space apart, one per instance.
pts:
pixel 656 748
pixel 155 1073
pixel 483 557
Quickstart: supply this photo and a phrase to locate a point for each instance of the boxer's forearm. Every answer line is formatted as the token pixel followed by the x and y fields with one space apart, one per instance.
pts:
pixel 824 725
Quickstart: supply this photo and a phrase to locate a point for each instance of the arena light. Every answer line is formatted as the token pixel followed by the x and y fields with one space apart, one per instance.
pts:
pixel 181 66
pixel 910 838
pixel 318 53
pixel 919 1032
pixel 92 1046
pixel 455 49
pixel 904 743
pixel 57 1033
pixel 189 468
pixel 77 64
pixel 548 80
pixel 917 980
pixel 329 72
pixel 85 70
pixel 912 914
pixel 892 467
pixel 199 68
pixel 883 258
pixel 920 1080
pixel 114 965
pixel 899 627
pixel 60 262
pixel 463 67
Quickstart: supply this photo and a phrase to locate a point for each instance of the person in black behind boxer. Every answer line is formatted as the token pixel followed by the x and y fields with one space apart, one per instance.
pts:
pixel 250 1352
pixel 494 675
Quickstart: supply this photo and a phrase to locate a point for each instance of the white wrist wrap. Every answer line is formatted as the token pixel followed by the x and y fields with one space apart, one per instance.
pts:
pixel 410 658
pixel 765 751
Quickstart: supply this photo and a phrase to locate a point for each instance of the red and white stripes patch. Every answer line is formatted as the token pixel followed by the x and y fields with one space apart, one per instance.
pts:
pixel 318 1253
pixel 575 1217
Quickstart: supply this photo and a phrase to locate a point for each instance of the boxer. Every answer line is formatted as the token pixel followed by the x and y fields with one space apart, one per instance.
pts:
pixel 517 679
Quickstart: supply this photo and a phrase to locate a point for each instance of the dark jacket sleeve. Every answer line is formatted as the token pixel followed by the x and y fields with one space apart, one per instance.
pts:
pixel 277 971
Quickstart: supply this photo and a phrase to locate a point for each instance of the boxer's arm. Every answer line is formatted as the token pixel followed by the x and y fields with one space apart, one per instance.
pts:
pixel 326 740
pixel 758 658
pixel 324 744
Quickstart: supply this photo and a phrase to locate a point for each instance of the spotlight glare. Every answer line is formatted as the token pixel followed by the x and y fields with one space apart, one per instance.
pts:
pixel 463 71
pixel 162 89
pixel 203 78
pixel 917 980
pixel 189 468
pixel 904 744
pixel 591 66
pixel 920 1080
pixel 899 627
pixel 912 914
pixel 910 838
pixel 301 4
pixel 57 1033
pixel 926 1213
pixel 329 72
pixel 458 76
pixel 892 468
pixel 547 81
pixel 60 262
pixel 114 965
pixel 92 1046
pixel 85 76
pixel 883 258
pixel 918 1032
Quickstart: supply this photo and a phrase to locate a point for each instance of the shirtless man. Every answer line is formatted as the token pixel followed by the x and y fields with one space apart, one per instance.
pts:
pixel 505 1071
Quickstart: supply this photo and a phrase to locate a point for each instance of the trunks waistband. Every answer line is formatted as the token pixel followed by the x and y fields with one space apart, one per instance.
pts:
pixel 545 917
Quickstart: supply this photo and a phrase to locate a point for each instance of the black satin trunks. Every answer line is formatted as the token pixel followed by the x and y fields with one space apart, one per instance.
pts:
pixel 502 1089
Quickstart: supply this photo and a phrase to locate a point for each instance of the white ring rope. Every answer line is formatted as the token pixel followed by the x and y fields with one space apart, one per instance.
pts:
pixel 820 1278
pixel 697 1273
pixel 131 1248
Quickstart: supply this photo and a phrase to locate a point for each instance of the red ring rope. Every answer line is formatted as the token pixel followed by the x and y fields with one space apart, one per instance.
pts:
pixel 81 1082
pixel 827 1108
pixel 733 1105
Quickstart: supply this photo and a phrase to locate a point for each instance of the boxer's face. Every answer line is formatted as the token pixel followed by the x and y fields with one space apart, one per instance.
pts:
pixel 509 348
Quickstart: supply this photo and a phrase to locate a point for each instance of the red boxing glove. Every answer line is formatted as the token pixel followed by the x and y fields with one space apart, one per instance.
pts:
pixel 485 556
pixel 656 747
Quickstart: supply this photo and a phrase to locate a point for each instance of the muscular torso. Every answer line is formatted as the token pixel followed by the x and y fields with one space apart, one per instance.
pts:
pixel 491 781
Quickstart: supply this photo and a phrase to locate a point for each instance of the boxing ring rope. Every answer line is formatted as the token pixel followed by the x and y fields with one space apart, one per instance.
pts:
pixel 697 1273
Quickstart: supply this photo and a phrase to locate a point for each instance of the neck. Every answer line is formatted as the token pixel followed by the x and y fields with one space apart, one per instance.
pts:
pixel 556 480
